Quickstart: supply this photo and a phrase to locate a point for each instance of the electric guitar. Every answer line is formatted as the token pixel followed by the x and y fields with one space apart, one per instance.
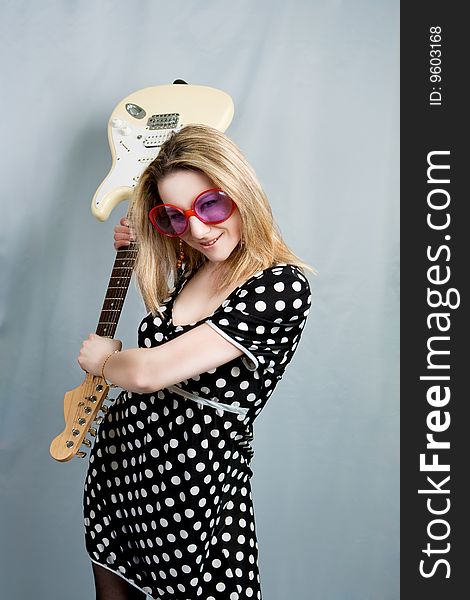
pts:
pixel 137 128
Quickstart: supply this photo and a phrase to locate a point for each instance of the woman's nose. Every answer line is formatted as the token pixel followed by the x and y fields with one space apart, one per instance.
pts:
pixel 198 228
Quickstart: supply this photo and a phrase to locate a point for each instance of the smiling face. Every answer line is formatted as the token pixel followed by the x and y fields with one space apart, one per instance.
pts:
pixel 180 188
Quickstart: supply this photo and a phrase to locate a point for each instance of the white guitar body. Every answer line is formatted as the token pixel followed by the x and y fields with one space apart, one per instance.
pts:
pixel 140 124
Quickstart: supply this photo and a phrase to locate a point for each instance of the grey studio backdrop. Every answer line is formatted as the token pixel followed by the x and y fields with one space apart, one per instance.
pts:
pixel 315 88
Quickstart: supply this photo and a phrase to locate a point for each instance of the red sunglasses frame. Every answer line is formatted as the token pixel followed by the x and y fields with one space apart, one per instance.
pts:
pixel 188 213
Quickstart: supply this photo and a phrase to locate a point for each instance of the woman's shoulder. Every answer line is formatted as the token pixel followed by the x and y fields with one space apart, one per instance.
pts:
pixel 281 276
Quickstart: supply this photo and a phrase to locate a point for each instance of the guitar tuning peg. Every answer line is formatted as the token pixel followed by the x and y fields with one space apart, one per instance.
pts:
pixel 99 420
pixel 81 454
pixel 104 408
pixel 86 442
pixel 93 431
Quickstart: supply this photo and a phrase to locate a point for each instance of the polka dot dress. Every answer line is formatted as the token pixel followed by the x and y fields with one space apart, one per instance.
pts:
pixel 167 497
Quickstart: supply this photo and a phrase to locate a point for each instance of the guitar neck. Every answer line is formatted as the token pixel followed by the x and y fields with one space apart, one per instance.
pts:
pixel 117 290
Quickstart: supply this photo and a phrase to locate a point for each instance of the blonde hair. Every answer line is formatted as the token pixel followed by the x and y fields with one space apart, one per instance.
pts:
pixel 202 148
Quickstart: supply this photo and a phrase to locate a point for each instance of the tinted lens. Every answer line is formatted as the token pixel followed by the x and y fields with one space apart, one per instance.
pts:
pixel 170 220
pixel 213 207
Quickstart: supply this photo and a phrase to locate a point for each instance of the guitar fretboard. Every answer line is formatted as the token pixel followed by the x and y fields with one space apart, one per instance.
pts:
pixel 117 290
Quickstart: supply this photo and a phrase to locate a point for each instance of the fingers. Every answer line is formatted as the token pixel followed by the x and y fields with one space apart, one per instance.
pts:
pixel 123 234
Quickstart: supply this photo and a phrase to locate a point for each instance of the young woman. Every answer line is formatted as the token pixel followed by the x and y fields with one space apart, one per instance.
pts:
pixel 167 500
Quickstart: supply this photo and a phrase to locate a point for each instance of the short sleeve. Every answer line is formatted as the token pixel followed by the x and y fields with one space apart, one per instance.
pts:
pixel 265 316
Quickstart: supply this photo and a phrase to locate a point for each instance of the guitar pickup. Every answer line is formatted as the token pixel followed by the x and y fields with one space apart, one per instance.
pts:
pixel 155 140
pixel 163 121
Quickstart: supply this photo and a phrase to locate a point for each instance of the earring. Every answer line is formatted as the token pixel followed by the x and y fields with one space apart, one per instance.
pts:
pixel 181 251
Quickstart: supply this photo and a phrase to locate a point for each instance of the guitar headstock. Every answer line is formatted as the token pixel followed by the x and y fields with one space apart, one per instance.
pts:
pixel 81 407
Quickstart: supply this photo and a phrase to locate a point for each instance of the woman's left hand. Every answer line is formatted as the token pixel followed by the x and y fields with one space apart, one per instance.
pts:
pixel 94 351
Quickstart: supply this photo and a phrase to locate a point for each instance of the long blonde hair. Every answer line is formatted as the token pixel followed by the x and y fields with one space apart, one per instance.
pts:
pixel 202 148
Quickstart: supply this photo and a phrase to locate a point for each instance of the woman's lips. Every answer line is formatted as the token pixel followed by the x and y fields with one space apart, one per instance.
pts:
pixel 213 242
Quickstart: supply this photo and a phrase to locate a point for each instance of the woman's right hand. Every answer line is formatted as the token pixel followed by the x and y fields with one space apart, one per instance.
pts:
pixel 123 234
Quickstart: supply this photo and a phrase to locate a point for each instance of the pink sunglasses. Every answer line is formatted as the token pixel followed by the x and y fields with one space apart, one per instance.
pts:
pixel 211 207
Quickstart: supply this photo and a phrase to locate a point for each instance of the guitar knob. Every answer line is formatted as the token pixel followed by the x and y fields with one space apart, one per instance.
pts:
pixel 116 123
pixel 93 431
pixel 125 130
pixel 86 442
pixel 81 454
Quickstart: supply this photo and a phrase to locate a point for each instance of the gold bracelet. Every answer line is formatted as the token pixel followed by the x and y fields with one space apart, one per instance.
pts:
pixel 102 368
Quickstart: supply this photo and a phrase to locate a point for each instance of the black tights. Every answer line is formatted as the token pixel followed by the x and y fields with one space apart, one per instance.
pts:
pixel 110 586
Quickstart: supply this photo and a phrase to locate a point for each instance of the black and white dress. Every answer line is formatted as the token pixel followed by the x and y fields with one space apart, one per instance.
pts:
pixel 167 496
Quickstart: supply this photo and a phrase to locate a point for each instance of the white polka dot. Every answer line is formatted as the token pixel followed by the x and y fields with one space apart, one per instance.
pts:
pixel 242 326
pixel 260 306
pixel 280 304
pixel 279 286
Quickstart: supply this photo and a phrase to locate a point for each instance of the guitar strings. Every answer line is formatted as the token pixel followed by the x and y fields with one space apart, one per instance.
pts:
pixel 125 273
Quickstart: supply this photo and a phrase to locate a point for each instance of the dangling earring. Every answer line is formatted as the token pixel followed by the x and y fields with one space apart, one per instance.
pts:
pixel 181 257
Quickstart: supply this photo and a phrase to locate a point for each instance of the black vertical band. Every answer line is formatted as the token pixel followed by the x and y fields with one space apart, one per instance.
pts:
pixel 435 356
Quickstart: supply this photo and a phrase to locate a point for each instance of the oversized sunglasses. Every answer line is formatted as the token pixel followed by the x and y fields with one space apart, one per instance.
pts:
pixel 211 207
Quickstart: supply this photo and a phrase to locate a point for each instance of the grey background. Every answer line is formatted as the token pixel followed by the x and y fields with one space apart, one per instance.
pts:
pixel 315 86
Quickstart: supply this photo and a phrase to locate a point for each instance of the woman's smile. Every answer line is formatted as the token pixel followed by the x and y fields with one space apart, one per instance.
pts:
pixel 211 243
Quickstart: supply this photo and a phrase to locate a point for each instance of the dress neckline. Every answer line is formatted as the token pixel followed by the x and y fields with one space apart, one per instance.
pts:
pixel 177 290
pixel 184 280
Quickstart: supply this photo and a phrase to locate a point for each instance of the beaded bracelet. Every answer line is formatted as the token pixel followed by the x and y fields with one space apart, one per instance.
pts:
pixel 102 368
